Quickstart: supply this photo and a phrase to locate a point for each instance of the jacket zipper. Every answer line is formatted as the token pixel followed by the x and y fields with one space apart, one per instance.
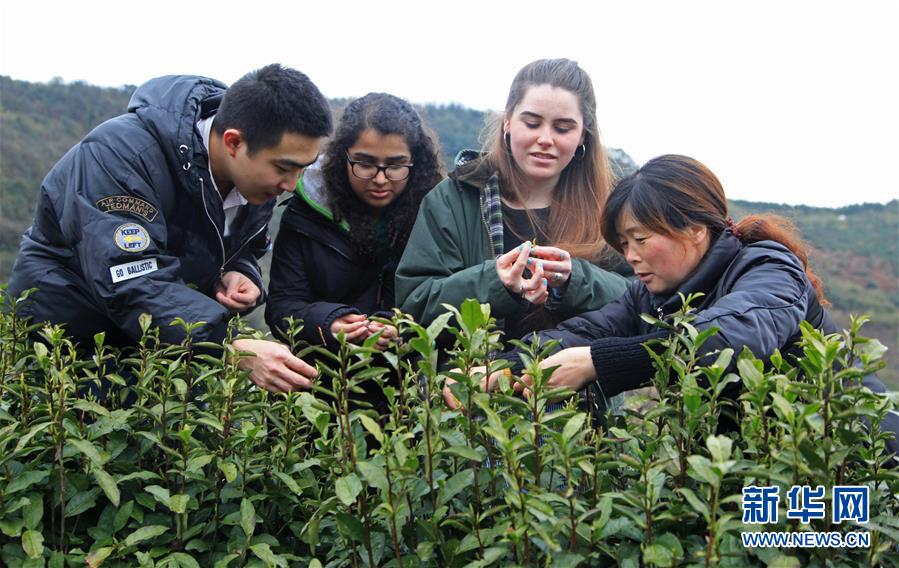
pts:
pixel 214 226
pixel 240 248
pixel 329 245
pixel 219 235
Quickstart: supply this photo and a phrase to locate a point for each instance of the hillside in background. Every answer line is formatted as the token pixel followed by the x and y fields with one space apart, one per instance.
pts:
pixel 855 249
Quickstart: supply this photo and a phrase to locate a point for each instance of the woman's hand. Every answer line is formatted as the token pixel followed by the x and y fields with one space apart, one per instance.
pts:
pixel 556 264
pixel 510 269
pixel 487 385
pixel 354 326
pixel 388 334
pixel 575 370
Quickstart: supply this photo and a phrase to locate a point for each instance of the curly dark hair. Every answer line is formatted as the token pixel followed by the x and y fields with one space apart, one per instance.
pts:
pixel 386 114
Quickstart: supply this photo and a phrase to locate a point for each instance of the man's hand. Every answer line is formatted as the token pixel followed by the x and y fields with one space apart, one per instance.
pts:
pixel 273 367
pixel 237 292
pixel 575 370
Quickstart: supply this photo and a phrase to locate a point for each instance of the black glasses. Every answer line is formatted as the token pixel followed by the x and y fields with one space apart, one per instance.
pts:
pixel 367 170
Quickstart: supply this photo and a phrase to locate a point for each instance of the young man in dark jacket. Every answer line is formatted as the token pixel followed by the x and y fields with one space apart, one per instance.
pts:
pixel 164 210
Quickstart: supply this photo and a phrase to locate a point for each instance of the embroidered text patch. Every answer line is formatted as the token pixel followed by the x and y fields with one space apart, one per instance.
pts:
pixel 131 270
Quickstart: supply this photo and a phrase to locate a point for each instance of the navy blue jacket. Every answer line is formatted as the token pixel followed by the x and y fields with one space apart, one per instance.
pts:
pixel 128 222
pixel 756 294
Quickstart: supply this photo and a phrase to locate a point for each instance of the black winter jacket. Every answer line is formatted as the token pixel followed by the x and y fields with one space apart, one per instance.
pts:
pixel 755 294
pixel 316 274
pixel 128 222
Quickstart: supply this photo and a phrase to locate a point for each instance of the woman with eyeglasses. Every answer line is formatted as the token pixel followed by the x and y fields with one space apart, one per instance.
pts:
pixel 517 226
pixel 343 231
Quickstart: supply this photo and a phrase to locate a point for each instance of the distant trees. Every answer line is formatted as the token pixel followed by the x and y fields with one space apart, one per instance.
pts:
pixel 856 250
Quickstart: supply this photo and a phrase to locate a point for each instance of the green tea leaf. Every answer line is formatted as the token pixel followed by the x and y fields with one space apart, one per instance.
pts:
pixel 97 557
pixel 464 452
pixel 574 426
pixel 33 512
pixel 212 422
pixel 374 475
pixel 26 480
pixel 108 484
pixel 144 533
pixel 225 560
pixel 178 503
pixel 658 555
pixel 82 501
pixel 87 449
pixel 141 475
pixel 784 561
pixel 351 526
pixel 122 515
pixel 373 428
pixel 694 502
pixel 247 517
pixel 454 485
pixel 289 482
pixel 33 544
pixel 264 552
pixel 197 463
pixel 229 470
pixel 347 488
pixel 701 470
pixel 720 447
pixel 185 560
pixel 161 494
pixel 11 528
pixel 90 407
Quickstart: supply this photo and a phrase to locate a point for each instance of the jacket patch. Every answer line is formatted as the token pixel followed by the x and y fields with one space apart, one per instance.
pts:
pixel 131 270
pixel 131 237
pixel 128 204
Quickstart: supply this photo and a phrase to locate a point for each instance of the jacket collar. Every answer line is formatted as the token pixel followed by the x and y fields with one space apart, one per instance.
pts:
pixel 472 169
pixel 705 277
pixel 310 190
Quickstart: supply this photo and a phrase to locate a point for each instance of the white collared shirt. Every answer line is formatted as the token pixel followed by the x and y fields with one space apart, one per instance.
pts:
pixel 234 200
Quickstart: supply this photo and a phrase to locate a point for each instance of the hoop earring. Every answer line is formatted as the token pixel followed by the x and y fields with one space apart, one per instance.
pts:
pixel 583 152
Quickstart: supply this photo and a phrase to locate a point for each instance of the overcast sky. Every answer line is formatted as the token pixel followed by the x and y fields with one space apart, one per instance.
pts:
pixel 787 101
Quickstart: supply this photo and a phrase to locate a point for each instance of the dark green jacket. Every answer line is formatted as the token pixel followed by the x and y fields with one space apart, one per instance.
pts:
pixel 450 257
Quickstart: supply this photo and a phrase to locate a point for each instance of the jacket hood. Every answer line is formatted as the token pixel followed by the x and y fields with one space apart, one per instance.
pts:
pixel 723 252
pixel 311 191
pixel 170 107
pixel 472 168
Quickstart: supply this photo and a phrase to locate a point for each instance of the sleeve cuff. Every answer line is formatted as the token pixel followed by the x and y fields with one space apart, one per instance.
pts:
pixel 622 363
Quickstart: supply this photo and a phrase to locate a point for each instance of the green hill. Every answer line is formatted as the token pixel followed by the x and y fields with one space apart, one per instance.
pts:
pixel 855 249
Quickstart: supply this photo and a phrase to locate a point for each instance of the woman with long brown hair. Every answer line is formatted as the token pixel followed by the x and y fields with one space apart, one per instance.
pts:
pixel 518 226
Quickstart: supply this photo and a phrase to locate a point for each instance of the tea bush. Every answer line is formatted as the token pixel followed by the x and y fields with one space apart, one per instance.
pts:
pixel 169 456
